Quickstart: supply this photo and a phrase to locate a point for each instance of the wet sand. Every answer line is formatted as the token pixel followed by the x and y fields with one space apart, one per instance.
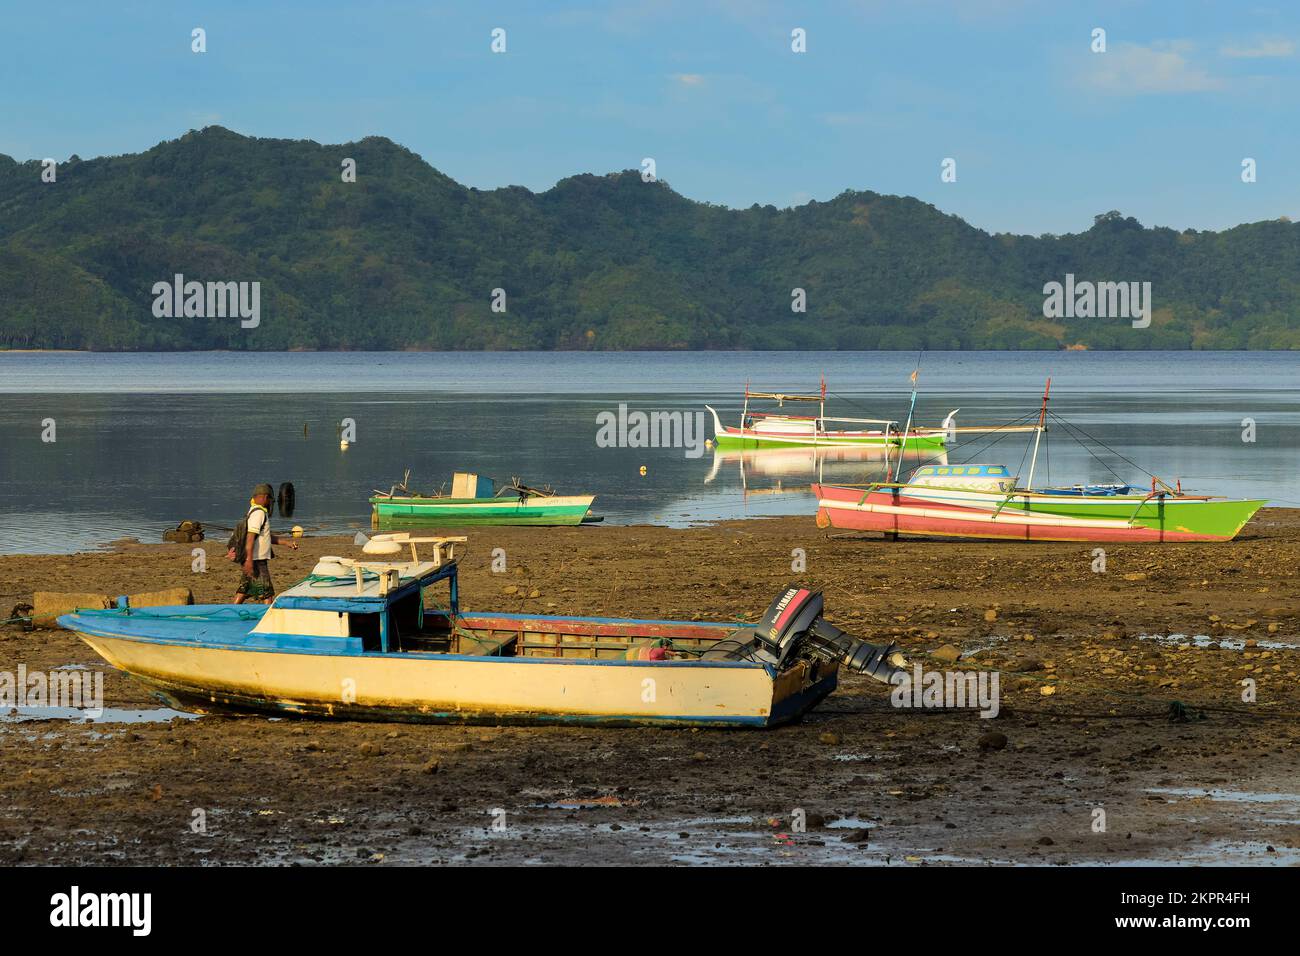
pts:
pixel 876 784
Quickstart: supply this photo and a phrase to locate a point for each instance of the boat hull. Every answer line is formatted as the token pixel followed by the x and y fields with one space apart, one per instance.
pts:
pixel 426 512
pixel 214 670
pixel 730 437
pixel 964 514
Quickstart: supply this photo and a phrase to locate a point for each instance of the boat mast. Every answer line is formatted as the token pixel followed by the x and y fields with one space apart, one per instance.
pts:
pixel 744 412
pixel 902 447
pixel 1038 434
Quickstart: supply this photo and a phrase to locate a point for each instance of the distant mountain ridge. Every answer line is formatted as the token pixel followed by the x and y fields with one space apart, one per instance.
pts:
pixel 407 258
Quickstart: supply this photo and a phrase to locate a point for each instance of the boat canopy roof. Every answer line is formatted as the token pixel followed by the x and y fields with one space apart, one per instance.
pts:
pixel 967 471
pixel 783 397
pixel 343 584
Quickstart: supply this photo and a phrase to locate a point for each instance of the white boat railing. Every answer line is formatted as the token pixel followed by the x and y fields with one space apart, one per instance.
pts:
pixel 391 543
pixel 861 421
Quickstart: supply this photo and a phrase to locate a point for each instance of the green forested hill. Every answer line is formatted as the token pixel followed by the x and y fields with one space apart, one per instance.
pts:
pixel 407 258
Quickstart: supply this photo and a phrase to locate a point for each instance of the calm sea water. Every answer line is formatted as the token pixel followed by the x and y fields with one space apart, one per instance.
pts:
pixel 144 441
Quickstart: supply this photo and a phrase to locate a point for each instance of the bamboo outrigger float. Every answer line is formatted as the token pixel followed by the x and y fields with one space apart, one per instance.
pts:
pixel 356 640
pixel 767 430
pixel 987 501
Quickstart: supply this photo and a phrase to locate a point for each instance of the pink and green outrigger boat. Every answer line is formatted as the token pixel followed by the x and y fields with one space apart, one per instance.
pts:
pixel 982 501
pixel 987 501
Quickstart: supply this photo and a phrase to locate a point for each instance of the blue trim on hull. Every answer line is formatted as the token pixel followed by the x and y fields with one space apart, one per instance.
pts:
pixel 237 635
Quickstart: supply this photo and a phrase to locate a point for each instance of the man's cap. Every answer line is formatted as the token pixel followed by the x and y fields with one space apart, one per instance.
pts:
pixel 264 489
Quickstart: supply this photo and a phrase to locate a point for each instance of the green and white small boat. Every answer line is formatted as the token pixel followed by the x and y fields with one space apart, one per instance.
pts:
pixel 783 430
pixel 473 502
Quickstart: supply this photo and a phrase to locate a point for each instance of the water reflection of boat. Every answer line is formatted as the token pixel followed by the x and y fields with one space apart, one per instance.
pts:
pixel 810 463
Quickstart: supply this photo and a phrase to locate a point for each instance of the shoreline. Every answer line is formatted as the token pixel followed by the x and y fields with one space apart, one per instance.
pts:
pixel 345 539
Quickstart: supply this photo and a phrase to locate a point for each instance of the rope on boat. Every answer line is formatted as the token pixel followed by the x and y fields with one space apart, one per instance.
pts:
pixel 974 445
pixel 1073 431
pixel 329 580
pixel 1070 427
pixel 233 613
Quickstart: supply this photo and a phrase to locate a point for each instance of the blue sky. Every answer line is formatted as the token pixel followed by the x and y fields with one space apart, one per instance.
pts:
pixel 1045 132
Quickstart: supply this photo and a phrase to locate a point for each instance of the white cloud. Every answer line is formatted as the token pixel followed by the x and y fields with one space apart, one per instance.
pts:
pixel 1162 67
pixel 1269 46
pixel 689 79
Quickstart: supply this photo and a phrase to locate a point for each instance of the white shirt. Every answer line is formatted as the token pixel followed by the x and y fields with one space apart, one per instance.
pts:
pixel 259 523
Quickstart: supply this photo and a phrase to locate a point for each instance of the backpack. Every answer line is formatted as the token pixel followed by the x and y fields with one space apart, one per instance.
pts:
pixel 237 544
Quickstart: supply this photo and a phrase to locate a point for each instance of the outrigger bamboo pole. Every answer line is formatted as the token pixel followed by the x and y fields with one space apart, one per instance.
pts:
pixel 821 419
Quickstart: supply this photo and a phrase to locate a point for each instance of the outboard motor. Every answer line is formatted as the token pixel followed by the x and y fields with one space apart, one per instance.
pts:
pixel 793 627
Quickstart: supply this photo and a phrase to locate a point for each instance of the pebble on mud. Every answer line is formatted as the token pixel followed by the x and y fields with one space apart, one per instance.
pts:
pixel 947 653
pixel 992 740
pixel 829 738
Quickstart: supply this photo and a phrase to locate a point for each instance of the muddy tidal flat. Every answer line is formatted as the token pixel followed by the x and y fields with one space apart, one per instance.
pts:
pixel 1122 737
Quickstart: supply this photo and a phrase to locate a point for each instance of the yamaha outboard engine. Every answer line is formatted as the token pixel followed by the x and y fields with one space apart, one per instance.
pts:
pixel 793 627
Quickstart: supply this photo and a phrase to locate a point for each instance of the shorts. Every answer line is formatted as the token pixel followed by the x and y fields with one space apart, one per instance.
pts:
pixel 259 586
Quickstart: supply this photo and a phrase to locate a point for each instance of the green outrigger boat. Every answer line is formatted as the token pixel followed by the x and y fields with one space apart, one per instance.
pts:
pixel 473 502
pixel 767 430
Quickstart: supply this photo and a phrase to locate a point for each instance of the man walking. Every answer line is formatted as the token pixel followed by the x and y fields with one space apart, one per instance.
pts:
pixel 255 583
